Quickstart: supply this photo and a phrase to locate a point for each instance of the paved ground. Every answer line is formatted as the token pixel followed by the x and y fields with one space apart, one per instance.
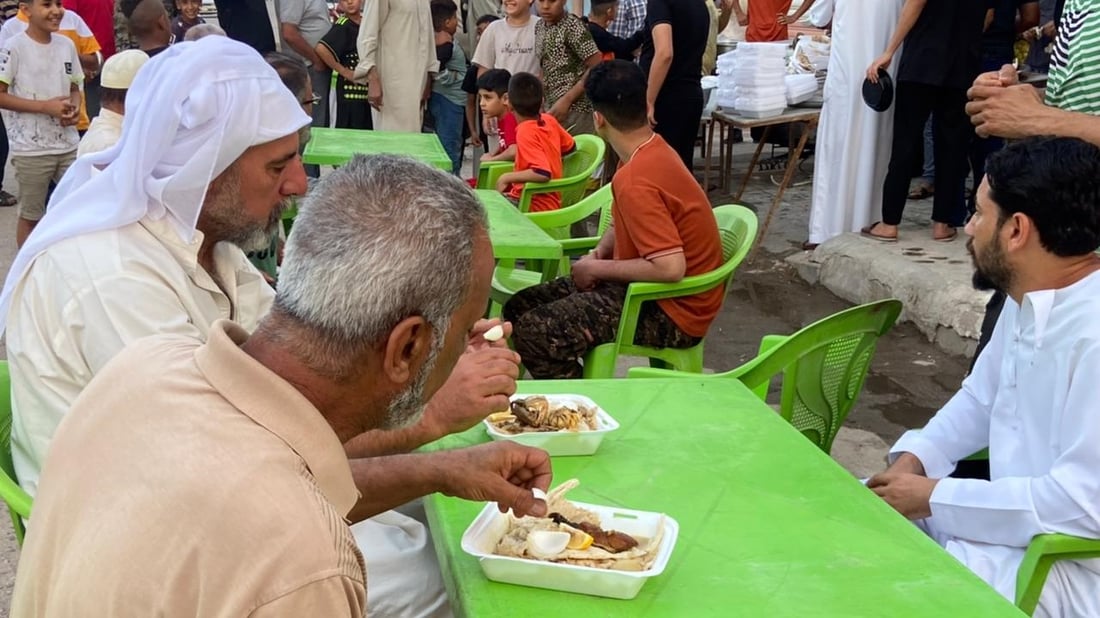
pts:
pixel 909 380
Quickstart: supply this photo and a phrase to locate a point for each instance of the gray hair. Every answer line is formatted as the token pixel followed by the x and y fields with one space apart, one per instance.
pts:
pixel 196 32
pixel 379 240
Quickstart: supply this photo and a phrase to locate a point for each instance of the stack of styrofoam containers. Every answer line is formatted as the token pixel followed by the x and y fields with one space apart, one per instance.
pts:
pixel 760 89
pixel 724 95
pixel 800 88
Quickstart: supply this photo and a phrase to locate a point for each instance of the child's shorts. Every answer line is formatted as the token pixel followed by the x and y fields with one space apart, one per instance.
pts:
pixel 35 173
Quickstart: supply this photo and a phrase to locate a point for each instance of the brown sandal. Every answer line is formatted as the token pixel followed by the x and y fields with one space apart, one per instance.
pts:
pixel 867 233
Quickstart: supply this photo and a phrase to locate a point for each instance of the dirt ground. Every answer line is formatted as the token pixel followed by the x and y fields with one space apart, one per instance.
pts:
pixel 909 379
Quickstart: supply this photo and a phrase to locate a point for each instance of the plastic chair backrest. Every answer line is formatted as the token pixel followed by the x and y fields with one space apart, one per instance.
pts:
pixel 737 230
pixel 583 161
pixel 19 503
pixel 605 214
pixel 823 366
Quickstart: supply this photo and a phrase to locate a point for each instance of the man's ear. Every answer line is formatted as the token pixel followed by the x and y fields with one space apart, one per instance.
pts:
pixel 598 119
pixel 406 349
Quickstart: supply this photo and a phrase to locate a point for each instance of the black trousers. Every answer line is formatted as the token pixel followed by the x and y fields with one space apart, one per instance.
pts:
pixel 952 134
pixel 677 111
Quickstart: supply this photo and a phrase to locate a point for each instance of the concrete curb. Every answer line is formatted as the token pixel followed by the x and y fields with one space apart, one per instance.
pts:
pixel 931 278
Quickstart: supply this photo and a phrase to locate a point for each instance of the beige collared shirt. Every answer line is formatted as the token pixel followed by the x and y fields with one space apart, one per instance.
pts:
pixel 86 298
pixel 104 132
pixel 189 480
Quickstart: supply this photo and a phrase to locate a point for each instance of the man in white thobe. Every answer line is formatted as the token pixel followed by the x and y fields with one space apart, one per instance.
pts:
pixel 1031 398
pixel 397 59
pixel 853 141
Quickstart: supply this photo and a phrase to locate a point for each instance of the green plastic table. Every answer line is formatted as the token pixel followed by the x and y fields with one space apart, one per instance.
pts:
pixel 514 236
pixel 336 146
pixel 770 526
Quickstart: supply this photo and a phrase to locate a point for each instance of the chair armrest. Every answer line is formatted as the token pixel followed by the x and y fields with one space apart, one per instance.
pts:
pixel 491 171
pixel 1043 551
pixel 562 217
pixel 571 247
pixel 641 291
pixel 16 499
pixel 652 372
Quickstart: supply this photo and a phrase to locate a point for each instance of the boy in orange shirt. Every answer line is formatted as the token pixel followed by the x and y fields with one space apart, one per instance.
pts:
pixel 662 230
pixel 540 144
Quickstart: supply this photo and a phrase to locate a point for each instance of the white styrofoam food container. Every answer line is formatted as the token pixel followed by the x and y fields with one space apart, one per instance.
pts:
pixel 561 443
pixel 490 526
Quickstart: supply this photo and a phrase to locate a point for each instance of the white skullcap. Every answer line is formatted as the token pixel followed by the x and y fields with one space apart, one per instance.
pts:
pixel 191 111
pixel 120 69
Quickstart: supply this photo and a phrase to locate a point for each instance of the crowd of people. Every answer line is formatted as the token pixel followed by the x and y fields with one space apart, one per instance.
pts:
pixel 170 400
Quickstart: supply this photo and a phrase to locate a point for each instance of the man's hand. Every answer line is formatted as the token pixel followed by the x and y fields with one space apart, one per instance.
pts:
pixel 909 494
pixel 583 273
pixel 881 62
pixel 374 90
pixel 1006 76
pixel 783 18
pixel 475 139
pixel 346 73
pixel 427 94
pixel 650 114
pixel 504 181
pixel 480 384
pixel 1007 112
pixel 559 110
pixel 503 472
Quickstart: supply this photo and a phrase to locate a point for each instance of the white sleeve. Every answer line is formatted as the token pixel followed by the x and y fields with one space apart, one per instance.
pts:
pixel 485 54
pixel 367 44
pixel 961 427
pixel 1010 511
pixel 821 13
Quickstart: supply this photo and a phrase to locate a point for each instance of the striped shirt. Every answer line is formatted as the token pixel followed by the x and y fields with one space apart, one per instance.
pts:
pixel 1074 82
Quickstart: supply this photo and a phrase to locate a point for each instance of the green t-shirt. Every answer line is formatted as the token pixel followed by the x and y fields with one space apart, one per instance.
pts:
pixel 1074 82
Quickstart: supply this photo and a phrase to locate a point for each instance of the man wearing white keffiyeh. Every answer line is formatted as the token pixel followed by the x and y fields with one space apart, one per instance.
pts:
pixel 132 242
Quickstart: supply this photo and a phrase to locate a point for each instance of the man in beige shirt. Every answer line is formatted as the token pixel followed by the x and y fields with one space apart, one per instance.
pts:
pixel 142 248
pixel 210 479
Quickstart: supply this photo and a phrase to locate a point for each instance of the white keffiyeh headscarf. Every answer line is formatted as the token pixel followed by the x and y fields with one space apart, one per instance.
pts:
pixel 191 111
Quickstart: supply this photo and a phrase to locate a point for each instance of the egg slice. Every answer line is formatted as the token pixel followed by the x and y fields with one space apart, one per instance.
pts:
pixel 547 543
pixel 495 333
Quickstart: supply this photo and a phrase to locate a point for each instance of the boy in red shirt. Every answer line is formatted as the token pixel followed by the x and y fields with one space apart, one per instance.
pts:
pixel 492 93
pixel 540 144
pixel 662 230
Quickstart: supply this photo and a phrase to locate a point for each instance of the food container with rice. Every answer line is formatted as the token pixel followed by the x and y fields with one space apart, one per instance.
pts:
pixel 559 424
pixel 582 548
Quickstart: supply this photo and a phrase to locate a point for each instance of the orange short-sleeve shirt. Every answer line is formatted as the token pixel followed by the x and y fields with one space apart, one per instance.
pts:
pixel 540 146
pixel 764 24
pixel 660 209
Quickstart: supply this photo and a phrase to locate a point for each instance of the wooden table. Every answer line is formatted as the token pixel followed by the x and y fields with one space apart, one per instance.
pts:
pixel 808 117
pixel 770 526
pixel 337 146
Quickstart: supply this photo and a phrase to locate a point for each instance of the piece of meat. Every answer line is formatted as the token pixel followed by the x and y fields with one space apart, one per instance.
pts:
pixel 612 541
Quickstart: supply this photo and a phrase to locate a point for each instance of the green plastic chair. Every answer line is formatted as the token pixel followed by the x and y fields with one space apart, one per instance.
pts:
pixel 577 170
pixel 1043 551
pixel 823 367
pixel 737 229
pixel 18 501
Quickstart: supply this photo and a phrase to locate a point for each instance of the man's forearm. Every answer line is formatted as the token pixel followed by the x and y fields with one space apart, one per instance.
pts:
pixel 910 12
pixel 627 271
pixel 294 39
pixel 380 442
pixel 1060 123
pixel 388 482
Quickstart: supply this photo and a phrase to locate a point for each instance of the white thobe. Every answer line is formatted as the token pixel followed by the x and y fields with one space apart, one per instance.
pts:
pixel 853 141
pixel 104 132
pixel 1031 400
pixel 396 36
pixel 84 299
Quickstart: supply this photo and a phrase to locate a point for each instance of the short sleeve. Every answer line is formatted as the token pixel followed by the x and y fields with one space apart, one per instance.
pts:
pixel 9 60
pixel 469 83
pixel 486 53
pixel 658 12
pixel 76 73
pixel 87 43
pixel 336 40
pixel 291 11
pixel 646 220
pixel 580 41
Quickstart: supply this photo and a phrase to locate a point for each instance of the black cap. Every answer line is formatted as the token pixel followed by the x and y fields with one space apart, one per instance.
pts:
pixel 879 96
